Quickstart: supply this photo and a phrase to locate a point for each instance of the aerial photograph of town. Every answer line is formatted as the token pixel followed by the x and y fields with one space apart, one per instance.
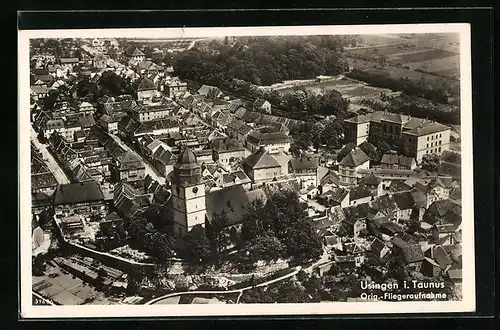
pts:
pixel 245 170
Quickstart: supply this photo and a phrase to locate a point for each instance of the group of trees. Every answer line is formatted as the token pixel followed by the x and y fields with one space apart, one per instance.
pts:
pixel 329 133
pixel 430 162
pixel 414 106
pixel 262 60
pixel 329 102
pixel 108 84
pixel 144 236
pixel 438 90
pixel 279 228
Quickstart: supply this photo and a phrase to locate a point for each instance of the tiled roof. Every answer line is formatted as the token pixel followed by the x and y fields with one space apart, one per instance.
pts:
pixel 404 200
pixel 359 192
pixel 443 211
pixel 232 201
pixel 129 160
pixel 146 84
pixel 261 159
pixel 227 145
pixel 427 128
pixel 413 253
pixel 133 51
pixel 354 158
pixel 397 160
pixel 267 138
pixel 336 194
pixel 78 193
pixel 370 180
pixel 304 163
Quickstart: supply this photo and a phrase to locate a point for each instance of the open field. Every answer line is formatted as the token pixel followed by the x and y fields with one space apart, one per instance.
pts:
pixel 443 41
pixel 400 72
pixel 420 55
pixel 437 54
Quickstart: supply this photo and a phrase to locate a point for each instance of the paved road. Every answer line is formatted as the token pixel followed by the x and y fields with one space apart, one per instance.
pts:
pixel 284 277
pixel 149 168
pixel 49 160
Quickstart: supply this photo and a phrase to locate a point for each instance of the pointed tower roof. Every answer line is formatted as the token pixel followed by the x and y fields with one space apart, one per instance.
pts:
pixel 187 169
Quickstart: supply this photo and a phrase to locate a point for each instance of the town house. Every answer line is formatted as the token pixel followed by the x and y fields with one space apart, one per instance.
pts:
pixel 261 167
pixel 306 169
pixel 129 167
pixel 78 198
pixel 355 160
pixel 272 142
pixel 226 150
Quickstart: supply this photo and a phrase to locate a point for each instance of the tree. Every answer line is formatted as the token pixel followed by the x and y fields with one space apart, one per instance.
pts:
pixel 219 237
pixel 197 246
pixel 265 247
pixel 253 220
pixel 383 147
pixel 430 162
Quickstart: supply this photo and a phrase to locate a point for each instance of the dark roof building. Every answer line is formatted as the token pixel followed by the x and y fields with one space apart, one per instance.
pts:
pixel 261 159
pixel 355 158
pixel 74 193
pixel 233 201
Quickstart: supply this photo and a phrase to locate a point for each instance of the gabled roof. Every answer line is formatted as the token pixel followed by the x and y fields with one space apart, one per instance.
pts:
pixel 359 192
pixel 261 159
pixel 133 51
pixel 232 201
pixel 427 128
pixel 129 160
pixel 304 163
pixel 413 253
pixel 87 121
pixel 419 197
pixel 73 193
pixel 258 103
pixel 260 138
pixel 444 211
pixel 336 194
pixel 370 180
pixel 146 84
pixel 227 145
pixel 400 160
pixel 354 158
pixel 404 200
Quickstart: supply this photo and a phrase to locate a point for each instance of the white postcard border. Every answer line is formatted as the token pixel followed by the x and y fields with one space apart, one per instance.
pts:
pixel 468 292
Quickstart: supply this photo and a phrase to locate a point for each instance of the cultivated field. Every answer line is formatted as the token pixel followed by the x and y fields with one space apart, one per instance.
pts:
pixel 437 54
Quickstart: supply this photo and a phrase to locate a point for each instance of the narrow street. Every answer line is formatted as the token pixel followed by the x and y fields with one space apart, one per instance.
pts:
pixel 49 159
pixel 150 170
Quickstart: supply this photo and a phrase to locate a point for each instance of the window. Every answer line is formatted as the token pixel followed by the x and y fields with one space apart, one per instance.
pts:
pixel 427 138
pixel 439 134
pixel 439 149
pixel 432 137
pixel 427 143
pixel 439 143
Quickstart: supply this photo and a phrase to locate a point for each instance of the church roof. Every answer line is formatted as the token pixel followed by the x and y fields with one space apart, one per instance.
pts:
pixel 231 201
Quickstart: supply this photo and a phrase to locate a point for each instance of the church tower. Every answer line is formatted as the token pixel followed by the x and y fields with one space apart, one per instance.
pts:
pixel 188 193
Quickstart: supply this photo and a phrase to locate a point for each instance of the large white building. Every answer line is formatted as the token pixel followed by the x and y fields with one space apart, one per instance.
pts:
pixel 420 136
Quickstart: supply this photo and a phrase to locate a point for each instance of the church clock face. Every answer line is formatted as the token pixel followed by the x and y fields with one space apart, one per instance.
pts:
pixel 195 190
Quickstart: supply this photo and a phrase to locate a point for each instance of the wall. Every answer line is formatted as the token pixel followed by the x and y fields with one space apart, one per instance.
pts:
pixel 266 174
